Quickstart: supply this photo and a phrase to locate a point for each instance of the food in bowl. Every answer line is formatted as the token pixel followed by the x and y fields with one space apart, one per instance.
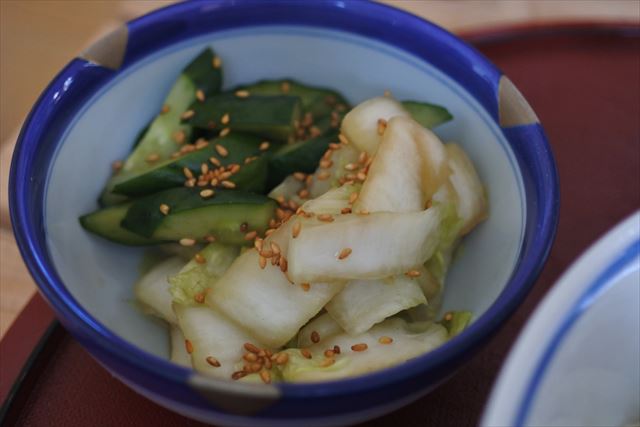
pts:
pixel 310 240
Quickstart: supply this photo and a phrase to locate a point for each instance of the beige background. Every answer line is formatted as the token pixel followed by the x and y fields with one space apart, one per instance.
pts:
pixel 37 38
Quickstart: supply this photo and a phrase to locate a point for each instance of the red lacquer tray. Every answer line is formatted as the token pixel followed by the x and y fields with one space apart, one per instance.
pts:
pixel 584 83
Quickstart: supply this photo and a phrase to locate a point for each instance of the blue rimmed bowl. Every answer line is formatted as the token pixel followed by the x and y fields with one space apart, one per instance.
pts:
pixel 90 113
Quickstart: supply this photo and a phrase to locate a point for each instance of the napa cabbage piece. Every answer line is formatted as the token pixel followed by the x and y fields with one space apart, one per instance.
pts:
pixel 179 353
pixel 333 201
pixel 360 125
pixel 152 290
pixel 196 278
pixel 211 334
pixel 409 341
pixel 326 178
pixel 382 244
pixel 264 301
pixel 324 325
pixel 288 190
pixel 432 291
pixel 456 321
pixel 363 303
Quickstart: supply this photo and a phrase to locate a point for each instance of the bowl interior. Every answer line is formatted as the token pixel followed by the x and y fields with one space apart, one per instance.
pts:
pixel 100 275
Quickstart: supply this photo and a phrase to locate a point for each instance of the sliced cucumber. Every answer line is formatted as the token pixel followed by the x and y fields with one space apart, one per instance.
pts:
pixel 272 117
pixel 170 173
pixel 428 115
pixel 106 223
pixel 152 290
pixel 227 216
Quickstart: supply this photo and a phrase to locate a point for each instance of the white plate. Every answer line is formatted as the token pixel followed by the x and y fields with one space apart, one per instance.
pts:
pixel 577 363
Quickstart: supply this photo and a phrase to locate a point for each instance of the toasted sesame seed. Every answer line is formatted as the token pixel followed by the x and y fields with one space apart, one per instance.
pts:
pixel 250 357
pixel 327 362
pixel 215 161
pixel 251 348
pixel 263 262
pixel 269 232
pixel 275 260
pixel 242 93
pixel 351 166
pixel 244 227
pixel 224 132
pixel 295 230
pixel 186 241
pixel 228 184
pixel 266 253
pixel 205 194
pixel 204 168
pixel 329 353
pixel 221 151
pixel 412 273
pixel 344 253
pixel 284 264
pixel 275 248
pixel 326 164
pixel 280 213
pixel 267 363
pixel 265 376
pixel 306 287
pixel 238 374
pixel 202 182
pixel 382 126
pixel 264 146
pixel 325 217
pixel 187 148
pixel 363 212
pixel 343 139
pixel 234 168
pixel 293 205
pixel 282 358
pixel 255 367
pixel 315 337
pixel 200 95
pixel 300 176
pixel 314 131
pixel 190 182
pixel 305 353
pixel 216 62
pixel 327 155
pixel 224 175
pixel 362 158
pixel 164 208
pixel 187 173
pixel 213 362
pixel 345 211
pixel 188 346
pixel 165 109
pixel 334 146
pixel 187 114
pixel 199 297
pixel 361 176
pixel 225 119
pixel 323 175
pixel 209 238
pixel 154 157
pixel 336 349
pixel 285 87
pixel 303 194
pixel 309 180
pixel 359 347
pixel 353 197
pixel 258 244
pixel 385 340
pixel 199 258
pixel 213 182
pixel 250 235
pixel 448 316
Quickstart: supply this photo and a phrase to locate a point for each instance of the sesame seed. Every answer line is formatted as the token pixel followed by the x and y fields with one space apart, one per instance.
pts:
pixel 385 340
pixel 238 374
pixel 187 114
pixel 250 357
pixel 244 227
pixel 269 232
pixel 336 349
pixel 329 353
pixel 275 248
pixel 213 362
pixel 285 87
pixel 250 235
pixel 213 182
pixel 361 176
pixel 448 316
pixel 292 205
pixel 250 159
pixel 221 151
pixel 345 211
pixel 265 376
pixel 199 297
pixel 275 260
pixel 165 109
pixel 334 146
pixel 359 347
pixel 382 126
pixel 305 353
pixel 200 95
pixel 325 217
pixel 258 244
pixel 284 264
pixel 234 168
pixel 314 131
pixel 264 146
pixel 224 175
pixel 300 176
pixel 199 258
pixel 363 212
pixel 187 173
pixel 309 180
pixel 214 160
pixel 186 241
pixel 225 119
pixel 353 197
pixel 315 337
pixel 412 273
pixel 164 208
pixel 326 164
pixel 282 358
pixel 204 168
pixel 209 238
pixel 306 287
pixel 224 132
pixel 251 348
pixel 205 194
pixel 154 157
pixel 323 175
pixel 351 166
pixel 216 62
pixel 187 148
pixel 228 184
pixel 266 253
pixel 327 362
pixel 343 139
pixel 327 155
pixel 344 253
pixel 263 262
pixel 303 194
pixel 362 158
pixel 280 213
pixel 188 346
pixel 190 182
pixel 295 230
pixel 242 93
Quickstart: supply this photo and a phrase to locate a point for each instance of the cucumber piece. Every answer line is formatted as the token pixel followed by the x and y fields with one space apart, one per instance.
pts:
pixel 428 115
pixel 301 156
pixel 158 139
pixel 106 223
pixel 271 117
pixel 170 173
pixel 191 216
pixel 152 289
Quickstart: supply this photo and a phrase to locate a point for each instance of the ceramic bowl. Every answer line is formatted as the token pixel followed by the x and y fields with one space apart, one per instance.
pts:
pixel 92 110
pixel 577 361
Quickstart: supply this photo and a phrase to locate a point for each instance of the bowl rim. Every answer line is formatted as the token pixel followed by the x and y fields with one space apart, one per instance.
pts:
pixel 29 235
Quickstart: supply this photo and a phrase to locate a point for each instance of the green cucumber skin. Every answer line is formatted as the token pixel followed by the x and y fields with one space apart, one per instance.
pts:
pixel 106 224
pixel 428 115
pixel 302 156
pixel 202 73
pixel 170 173
pixel 271 117
pixel 194 217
